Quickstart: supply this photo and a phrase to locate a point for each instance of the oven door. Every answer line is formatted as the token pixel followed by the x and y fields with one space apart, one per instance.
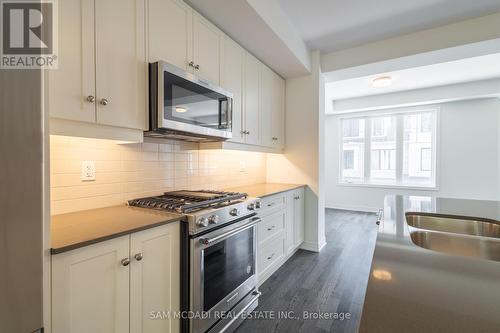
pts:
pixel 189 104
pixel 223 270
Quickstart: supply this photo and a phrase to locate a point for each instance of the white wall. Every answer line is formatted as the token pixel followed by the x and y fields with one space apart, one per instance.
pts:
pixel 469 158
pixel 304 138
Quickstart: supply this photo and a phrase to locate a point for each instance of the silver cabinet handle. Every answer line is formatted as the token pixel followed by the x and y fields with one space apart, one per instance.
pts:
pixel 197 67
pixel 275 138
pixel 270 228
pixel 380 216
pixel 270 257
pixel 125 261
pixel 138 256
pixel 104 102
pixel 191 64
pixel 248 132
pixel 90 99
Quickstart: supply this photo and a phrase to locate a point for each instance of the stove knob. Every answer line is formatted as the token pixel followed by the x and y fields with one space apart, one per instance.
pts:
pixel 214 219
pixel 202 222
pixel 258 204
pixel 234 212
pixel 251 206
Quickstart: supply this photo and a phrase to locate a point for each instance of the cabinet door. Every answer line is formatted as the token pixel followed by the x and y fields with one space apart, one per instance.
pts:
pixel 232 80
pixel 90 289
pixel 299 223
pixel 121 67
pixel 290 221
pixel 278 112
pixel 206 49
pixel 170 32
pixel 74 80
pixel 267 105
pixel 252 99
pixel 155 278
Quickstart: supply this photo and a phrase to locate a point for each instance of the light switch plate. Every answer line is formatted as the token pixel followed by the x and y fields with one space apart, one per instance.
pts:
pixel 88 171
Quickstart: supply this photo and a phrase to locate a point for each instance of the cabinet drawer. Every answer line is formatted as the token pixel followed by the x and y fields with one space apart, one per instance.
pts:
pixel 271 253
pixel 271 225
pixel 272 203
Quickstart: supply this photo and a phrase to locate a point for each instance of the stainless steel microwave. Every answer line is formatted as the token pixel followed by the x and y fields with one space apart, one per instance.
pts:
pixel 184 106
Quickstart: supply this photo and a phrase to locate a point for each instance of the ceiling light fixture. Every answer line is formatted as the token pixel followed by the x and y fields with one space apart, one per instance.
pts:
pixel 180 109
pixel 382 81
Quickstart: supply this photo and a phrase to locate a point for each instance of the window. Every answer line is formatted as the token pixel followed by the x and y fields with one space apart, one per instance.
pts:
pixel 391 149
pixel 351 128
pixel 349 159
pixel 353 149
pixel 425 159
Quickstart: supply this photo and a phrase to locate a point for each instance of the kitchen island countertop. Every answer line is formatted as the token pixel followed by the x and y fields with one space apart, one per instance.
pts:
pixel 412 289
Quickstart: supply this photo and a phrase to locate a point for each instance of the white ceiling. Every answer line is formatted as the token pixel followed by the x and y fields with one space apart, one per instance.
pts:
pixel 331 25
pixel 465 70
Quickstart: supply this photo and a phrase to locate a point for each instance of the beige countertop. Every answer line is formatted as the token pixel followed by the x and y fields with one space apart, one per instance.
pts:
pixel 74 230
pixel 264 189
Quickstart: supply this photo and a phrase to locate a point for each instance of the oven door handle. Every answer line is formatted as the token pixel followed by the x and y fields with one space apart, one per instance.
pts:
pixel 208 241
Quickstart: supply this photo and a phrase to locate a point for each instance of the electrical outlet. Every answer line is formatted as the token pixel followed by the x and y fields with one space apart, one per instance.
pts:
pixel 88 171
pixel 243 166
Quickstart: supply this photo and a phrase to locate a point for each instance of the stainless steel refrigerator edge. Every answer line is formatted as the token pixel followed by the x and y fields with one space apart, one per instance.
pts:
pixel 21 200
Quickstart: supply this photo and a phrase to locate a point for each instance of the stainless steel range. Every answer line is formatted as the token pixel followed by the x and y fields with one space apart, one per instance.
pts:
pixel 219 282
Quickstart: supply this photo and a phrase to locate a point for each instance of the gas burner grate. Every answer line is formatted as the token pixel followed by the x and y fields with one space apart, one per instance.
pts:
pixel 188 201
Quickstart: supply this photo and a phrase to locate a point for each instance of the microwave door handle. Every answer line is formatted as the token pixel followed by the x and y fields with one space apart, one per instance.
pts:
pixel 225 113
pixel 208 241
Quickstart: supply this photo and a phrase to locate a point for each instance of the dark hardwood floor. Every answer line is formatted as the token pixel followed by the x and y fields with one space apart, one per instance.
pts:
pixel 331 281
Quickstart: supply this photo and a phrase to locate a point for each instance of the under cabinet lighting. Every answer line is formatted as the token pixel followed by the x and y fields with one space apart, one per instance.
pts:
pixel 180 109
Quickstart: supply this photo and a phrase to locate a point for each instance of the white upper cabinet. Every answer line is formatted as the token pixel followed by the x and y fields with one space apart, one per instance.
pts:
pixel 182 37
pixel 121 68
pixel 206 49
pixel 170 32
pixel 251 99
pixel 272 88
pixel 103 71
pixel 74 81
pixel 278 113
pixel 267 105
pixel 232 80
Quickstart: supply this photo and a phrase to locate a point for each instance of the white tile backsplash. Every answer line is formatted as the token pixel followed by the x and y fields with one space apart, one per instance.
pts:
pixel 127 171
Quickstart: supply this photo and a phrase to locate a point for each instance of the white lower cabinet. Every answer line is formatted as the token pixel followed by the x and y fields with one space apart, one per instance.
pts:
pixel 281 231
pixel 113 286
pixel 155 279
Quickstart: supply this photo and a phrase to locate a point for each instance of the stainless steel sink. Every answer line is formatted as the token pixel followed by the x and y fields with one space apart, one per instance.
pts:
pixel 477 247
pixel 459 236
pixel 463 226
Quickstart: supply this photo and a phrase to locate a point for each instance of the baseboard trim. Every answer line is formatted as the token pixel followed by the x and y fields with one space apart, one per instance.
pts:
pixel 356 208
pixel 313 247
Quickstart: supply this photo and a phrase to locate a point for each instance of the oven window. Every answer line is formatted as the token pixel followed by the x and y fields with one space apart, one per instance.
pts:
pixel 227 265
pixel 191 103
